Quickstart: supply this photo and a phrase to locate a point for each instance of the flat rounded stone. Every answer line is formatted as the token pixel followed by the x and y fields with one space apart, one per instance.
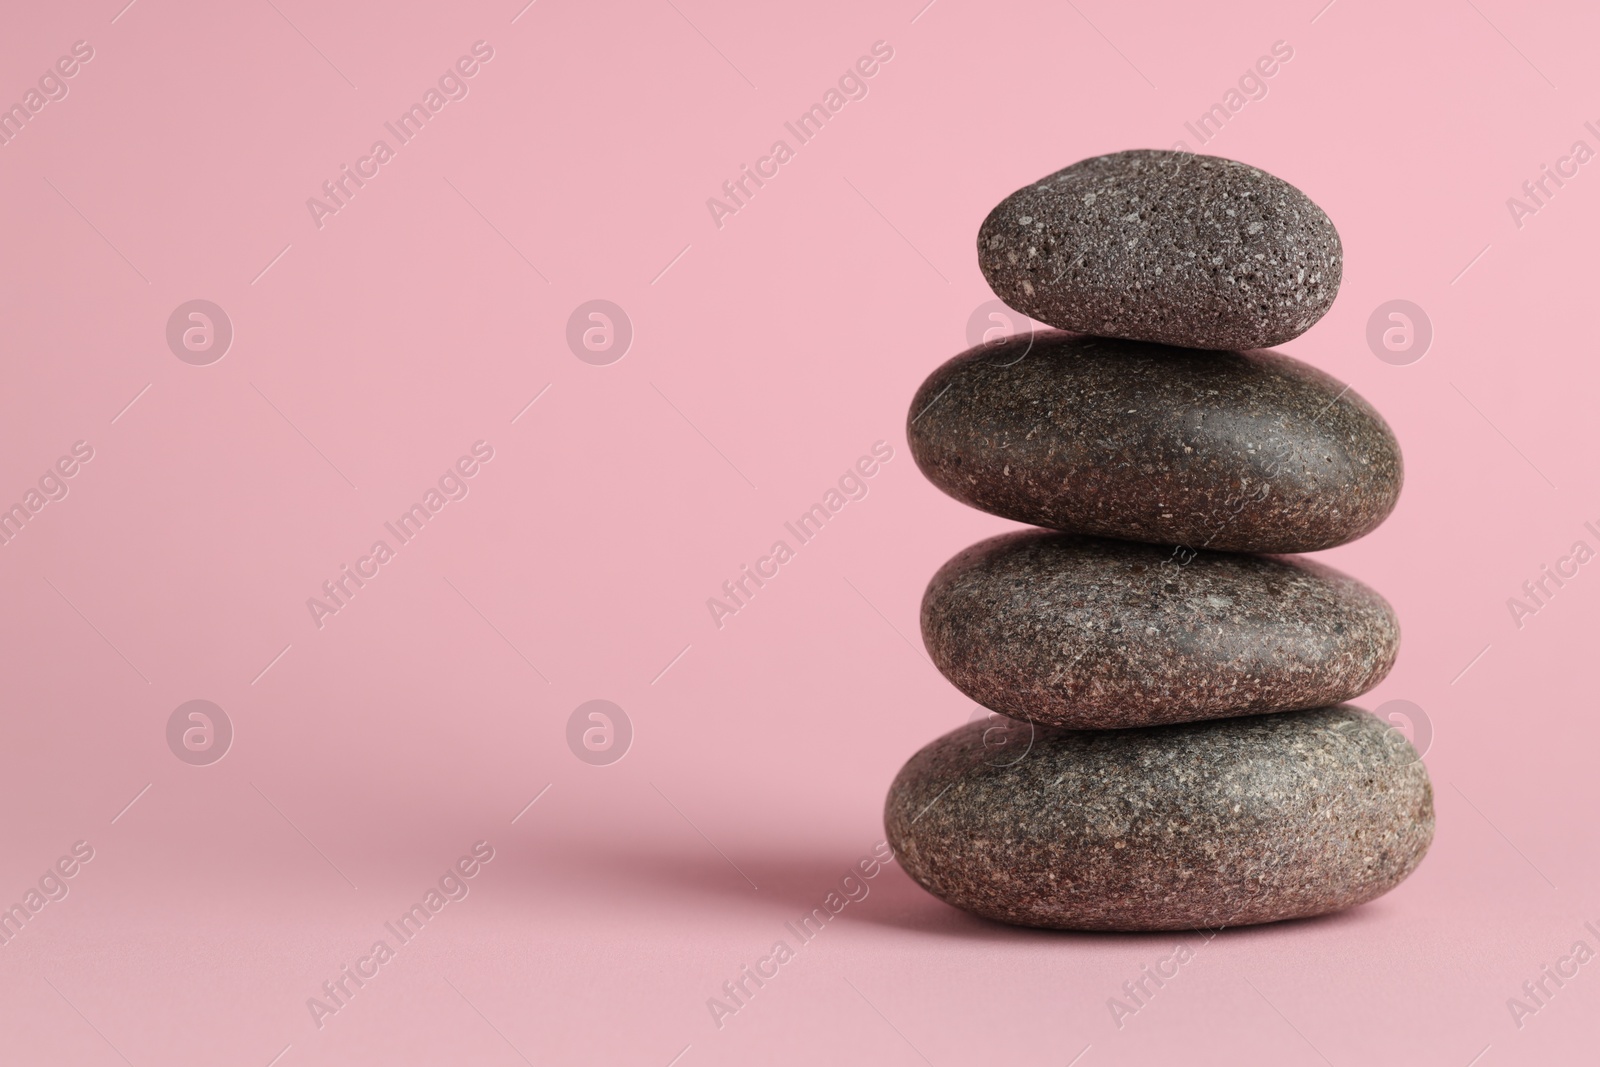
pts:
pixel 1096 634
pixel 1164 246
pixel 1222 823
pixel 1241 451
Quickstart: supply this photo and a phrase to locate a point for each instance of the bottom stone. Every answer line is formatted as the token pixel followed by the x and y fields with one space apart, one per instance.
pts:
pixel 1212 824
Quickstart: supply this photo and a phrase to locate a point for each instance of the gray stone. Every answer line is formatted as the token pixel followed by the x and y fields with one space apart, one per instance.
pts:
pixel 1096 634
pixel 1242 451
pixel 1222 823
pixel 1164 246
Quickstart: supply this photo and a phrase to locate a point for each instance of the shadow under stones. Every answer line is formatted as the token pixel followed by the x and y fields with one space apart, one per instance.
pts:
pixel 794 881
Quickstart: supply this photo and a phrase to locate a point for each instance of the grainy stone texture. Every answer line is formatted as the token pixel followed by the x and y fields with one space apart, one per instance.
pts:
pixel 1242 451
pixel 1222 823
pixel 1164 246
pixel 1096 634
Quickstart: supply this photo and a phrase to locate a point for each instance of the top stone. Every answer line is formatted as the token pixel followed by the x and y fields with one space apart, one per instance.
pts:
pixel 1171 247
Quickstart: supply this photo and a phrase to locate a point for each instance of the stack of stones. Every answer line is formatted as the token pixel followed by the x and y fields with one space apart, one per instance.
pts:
pixel 1169 748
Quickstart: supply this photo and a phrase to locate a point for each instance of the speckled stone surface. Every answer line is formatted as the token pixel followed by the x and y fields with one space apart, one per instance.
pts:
pixel 1222 823
pixel 1241 451
pixel 1164 246
pixel 1097 634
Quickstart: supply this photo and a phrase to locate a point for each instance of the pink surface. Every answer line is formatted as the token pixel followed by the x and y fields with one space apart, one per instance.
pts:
pixel 768 353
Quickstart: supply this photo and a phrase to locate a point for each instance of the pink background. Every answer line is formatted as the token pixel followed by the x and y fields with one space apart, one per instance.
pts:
pixel 373 752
